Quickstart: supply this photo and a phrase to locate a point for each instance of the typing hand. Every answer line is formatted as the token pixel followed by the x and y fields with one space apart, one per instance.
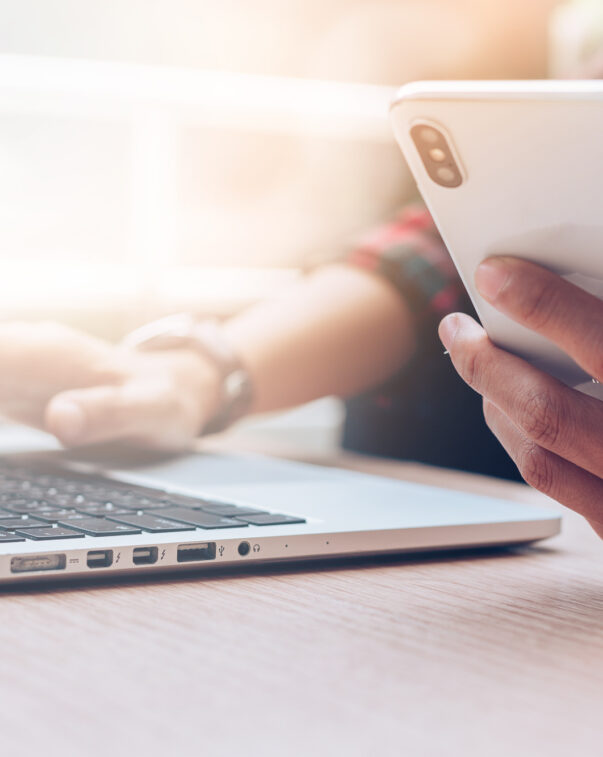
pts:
pixel 85 390
pixel 553 433
pixel 160 400
pixel 37 360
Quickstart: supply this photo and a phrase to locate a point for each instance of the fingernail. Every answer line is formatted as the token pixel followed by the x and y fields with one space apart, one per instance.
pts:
pixel 68 420
pixel 447 331
pixel 491 277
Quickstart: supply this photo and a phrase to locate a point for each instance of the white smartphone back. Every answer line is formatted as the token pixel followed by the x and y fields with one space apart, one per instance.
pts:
pixel 530 158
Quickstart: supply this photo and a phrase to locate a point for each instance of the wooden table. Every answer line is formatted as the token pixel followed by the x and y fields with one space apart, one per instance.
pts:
pixel 500 654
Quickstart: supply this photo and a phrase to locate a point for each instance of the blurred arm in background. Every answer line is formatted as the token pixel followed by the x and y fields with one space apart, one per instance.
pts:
pixel 343 330
pixel 346 329
pixel 339 332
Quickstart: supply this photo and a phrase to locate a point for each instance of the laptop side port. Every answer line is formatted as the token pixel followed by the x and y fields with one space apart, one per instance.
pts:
pixel 99 558
pixel 197 552
pixel 144 555
pixel 31 563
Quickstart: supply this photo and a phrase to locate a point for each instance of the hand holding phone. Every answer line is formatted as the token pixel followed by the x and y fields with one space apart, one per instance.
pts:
pixel 513 169
pixel 552 432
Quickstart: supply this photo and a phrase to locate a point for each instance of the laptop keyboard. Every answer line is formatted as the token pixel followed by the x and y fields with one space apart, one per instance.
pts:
pixel 47 504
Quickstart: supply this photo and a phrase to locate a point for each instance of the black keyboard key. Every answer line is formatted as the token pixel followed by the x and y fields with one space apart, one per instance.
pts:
pixel 19 488
pixel 100 509
pixel 54 516
pixel 71 516
pixel 133 501
pixel 27 506
pixel 33 511
pixel 146 490
pixel 15 498
pixel 35 492
pixel 65 500
pixel 152 522
pixel 183 500
pixel 69 487
pixel 49 532
pixel 151 506
pixel 98 490
pixel 8 537
pixel 101 527
pixel 21 522
pixel 199 518
pixel 227 511
pixel 4 514
pixel 270 519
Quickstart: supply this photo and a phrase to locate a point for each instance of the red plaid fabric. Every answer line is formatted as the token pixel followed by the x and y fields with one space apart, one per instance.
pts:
pixel 410 253
pixel 425 412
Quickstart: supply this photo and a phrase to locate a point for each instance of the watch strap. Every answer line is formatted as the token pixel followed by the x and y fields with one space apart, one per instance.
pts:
pixel 205 337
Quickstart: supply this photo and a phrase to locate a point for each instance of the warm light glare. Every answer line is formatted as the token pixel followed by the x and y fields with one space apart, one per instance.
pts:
pixel 197 136
pixel 59 287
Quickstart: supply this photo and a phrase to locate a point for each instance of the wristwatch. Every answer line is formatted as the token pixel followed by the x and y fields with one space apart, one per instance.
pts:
pixel 182 331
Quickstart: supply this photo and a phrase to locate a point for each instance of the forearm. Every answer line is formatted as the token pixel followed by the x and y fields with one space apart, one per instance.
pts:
pixel 339 332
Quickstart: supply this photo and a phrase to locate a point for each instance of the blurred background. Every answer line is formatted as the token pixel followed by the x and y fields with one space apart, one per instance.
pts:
pixel 160 155
pixel 166 154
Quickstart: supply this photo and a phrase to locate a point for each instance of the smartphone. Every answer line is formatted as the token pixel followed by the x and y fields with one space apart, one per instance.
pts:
pixel 513 168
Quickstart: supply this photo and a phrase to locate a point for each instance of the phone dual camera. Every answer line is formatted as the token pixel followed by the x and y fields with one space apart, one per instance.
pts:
pixel 436 154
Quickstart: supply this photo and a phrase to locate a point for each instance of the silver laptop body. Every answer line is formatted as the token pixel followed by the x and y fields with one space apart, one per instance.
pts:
pixel 206 511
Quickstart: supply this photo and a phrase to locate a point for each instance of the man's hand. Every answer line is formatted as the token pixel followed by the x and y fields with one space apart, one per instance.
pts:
pixel 161 400
pixel 84 390
pixel 553 433
pixel 37 360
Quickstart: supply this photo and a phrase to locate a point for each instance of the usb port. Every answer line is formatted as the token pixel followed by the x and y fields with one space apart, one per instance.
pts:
pixel 144 555
pixel 197 552
pixel 100 558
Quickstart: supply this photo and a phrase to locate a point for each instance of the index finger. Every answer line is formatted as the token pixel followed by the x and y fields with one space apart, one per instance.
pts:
pixel 547 304
pixel 562 420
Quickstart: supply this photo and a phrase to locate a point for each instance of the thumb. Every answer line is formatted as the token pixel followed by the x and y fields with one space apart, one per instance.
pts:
pixel 98 414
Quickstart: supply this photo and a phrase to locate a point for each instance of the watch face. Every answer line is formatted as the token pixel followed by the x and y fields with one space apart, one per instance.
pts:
pixel 237 396
pixel 205 337
pixel 235 384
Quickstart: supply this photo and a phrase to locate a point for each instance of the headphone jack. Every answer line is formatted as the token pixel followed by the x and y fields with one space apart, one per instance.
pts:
pixel 244 548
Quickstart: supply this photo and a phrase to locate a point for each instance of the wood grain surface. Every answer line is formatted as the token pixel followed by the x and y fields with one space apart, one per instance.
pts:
pixel 495 654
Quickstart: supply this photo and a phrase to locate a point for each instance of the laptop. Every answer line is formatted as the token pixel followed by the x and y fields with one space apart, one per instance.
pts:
pixel 63 516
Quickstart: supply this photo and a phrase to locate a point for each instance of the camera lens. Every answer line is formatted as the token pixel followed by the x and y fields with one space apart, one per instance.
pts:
pixel 429 135
pixel 446 174
pixel 437 155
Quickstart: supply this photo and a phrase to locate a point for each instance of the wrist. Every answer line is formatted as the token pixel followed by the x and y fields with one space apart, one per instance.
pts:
pixel 230 394
pixel 205 386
